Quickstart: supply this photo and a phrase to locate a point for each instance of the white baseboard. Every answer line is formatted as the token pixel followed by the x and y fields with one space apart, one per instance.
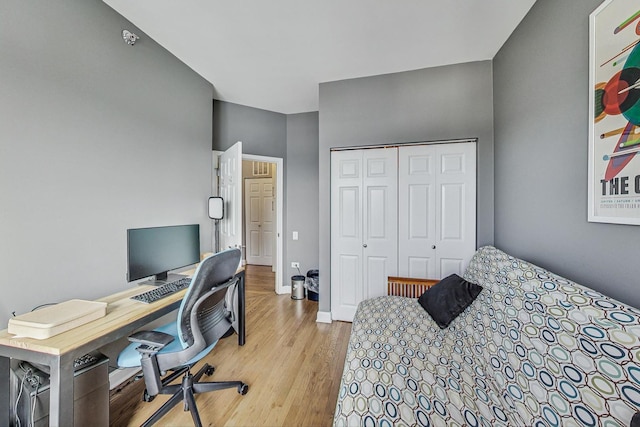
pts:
pixel 283 290
pixel 323 317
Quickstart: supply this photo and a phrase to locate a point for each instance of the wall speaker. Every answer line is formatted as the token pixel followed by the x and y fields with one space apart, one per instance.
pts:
pixel 216 208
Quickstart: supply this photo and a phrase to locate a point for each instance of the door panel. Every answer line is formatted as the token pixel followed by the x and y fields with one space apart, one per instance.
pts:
pixel 380 238
pixel 376 273
pixel 456 219
pixel 363 226
pixel 230 189
pixel 268 224
pixel 376 202
pixel 419 267
pixel 452 212
pixel 350 273
pixel 450 266
pixel 349 212
pixel 437 209
pixel 419 205
pixel 416 211
pixel 346 234
pixel 259 220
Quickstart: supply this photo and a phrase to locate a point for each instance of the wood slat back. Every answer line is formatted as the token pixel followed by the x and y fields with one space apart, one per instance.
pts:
pixel 408 287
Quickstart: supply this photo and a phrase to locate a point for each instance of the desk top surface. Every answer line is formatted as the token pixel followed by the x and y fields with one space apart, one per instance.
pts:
pixel 121 311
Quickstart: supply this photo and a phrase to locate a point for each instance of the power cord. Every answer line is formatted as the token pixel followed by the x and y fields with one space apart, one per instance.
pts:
pixel 13 313
pixel 15 408
pixel 34 400
pixel 30 377
pixel 43 305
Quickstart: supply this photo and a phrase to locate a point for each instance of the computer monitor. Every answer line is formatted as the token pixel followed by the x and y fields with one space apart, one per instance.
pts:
pixel 156 250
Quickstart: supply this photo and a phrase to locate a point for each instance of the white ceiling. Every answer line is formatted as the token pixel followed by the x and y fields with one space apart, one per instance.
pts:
pixel 272 54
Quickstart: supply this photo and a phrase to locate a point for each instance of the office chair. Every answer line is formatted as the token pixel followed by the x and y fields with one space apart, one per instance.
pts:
pixel 177 346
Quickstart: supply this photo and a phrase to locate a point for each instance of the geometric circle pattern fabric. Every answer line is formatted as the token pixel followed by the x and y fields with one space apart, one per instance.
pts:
pixel 534 349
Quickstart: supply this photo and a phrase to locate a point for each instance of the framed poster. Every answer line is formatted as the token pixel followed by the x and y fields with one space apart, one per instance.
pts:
pixel 614 113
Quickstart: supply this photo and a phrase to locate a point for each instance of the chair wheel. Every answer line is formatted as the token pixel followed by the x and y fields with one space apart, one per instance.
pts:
pixel 243 389
pixel 146 397
pixel 210 370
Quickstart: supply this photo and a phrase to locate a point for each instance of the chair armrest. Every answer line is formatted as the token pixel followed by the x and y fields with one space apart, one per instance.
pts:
pixel 151 341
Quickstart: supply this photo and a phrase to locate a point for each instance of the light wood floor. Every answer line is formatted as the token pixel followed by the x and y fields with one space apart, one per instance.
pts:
pixel 292 364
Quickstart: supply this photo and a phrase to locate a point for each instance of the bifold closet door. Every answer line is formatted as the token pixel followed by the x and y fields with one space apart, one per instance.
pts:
pixel 364 245
pixel 436 209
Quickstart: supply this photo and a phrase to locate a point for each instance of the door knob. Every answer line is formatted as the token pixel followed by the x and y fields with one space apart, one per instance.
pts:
pixel 433 247
pixel 364 246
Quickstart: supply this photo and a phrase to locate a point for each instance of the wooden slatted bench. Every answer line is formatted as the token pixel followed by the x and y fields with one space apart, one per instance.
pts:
pixel 408 287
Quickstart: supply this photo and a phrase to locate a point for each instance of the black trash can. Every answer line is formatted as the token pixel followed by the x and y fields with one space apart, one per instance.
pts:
pixel 297 287
pixel 313 285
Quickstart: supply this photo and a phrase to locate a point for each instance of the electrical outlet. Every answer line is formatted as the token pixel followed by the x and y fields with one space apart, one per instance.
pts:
pixel 295 264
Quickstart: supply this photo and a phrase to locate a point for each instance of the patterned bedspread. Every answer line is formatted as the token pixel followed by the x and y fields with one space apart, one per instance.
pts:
pixel 534 349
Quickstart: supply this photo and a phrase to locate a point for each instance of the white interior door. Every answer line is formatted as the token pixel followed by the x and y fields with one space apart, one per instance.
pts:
pixel 380 219
pixel 347 288
pixel 456 200
pixel 230 189
pixel 437 209
pixel 363 226
pixel 259 214
pixel 417 212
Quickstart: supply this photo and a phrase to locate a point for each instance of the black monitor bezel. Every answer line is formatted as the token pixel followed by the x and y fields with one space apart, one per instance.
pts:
pixel 160 275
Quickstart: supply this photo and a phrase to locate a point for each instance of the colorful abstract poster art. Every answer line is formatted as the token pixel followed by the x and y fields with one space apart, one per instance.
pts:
pixel 614 134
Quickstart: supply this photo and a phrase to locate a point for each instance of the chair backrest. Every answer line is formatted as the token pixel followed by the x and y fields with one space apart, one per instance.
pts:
pixel 209 319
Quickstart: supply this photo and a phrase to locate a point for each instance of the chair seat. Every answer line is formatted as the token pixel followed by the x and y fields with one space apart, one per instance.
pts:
pixel 130 357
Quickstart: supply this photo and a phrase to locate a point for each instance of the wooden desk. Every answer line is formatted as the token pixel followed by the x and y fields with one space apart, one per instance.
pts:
pixel 58 352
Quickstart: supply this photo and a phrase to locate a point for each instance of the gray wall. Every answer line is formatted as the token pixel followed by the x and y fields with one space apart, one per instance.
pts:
pixel 262 132
pixel 96 137
pixel 430 104
pixel 302 194
pixel 541 83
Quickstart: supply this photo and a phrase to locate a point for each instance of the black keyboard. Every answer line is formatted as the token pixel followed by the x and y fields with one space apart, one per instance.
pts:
pixel 82 361
pixel 163 291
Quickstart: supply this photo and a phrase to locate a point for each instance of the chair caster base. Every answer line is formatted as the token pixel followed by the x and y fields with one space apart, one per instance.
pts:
pixel 243 389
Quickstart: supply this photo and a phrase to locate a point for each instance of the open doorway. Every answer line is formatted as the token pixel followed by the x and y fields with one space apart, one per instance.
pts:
pixel 262 214
pixel 232 227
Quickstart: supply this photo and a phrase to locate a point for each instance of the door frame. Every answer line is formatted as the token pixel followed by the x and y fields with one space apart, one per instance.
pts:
pixel 280 288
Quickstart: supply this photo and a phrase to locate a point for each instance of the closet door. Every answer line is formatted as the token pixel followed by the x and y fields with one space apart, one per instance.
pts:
pixel 456 214
pixel 437 209
pixel 363 226
pixel 417 212
pixel 380 219
pixel 347 288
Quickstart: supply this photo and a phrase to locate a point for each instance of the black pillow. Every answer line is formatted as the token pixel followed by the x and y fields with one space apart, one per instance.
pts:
pixel 635 421
pixel 445 300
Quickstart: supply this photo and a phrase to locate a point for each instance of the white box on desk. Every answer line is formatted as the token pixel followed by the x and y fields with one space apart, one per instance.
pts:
pixel 56 319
